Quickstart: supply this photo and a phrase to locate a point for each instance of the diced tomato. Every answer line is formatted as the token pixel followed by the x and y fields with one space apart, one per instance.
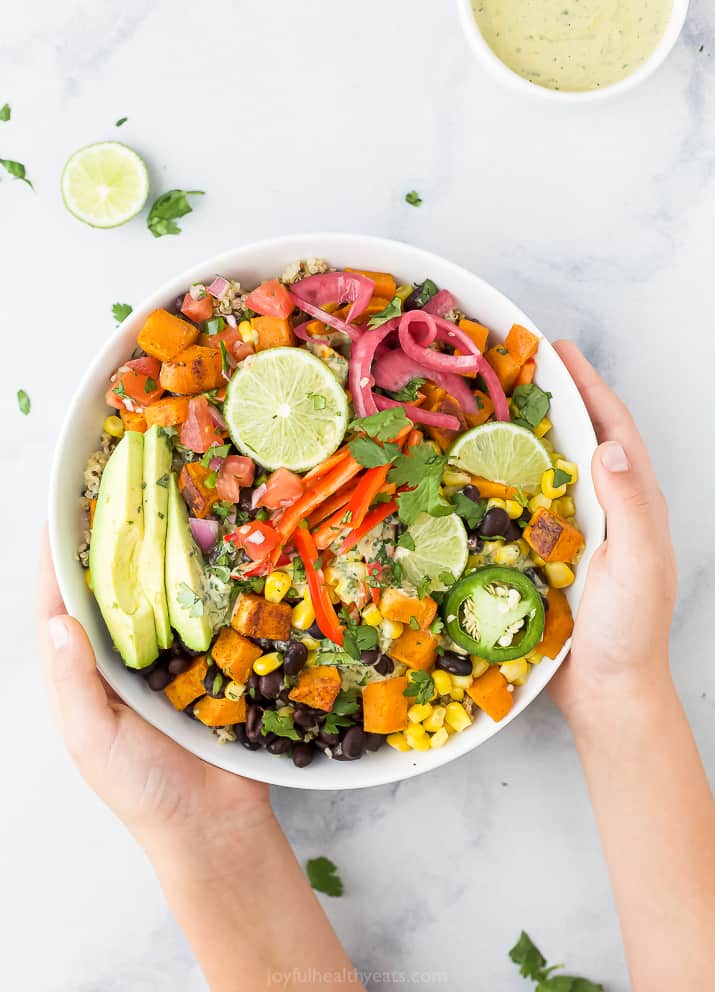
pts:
pixel 270 299
pixel 282 488
pixel 199 431
pixel 257 538
pixel 236 471
pixel 197 310
pixel 138 381
pixel 231 337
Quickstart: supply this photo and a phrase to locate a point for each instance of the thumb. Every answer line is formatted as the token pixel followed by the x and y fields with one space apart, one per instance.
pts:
pixel 629 496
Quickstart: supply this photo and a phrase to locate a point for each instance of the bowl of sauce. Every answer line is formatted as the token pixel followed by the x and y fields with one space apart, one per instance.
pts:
pixel 573 49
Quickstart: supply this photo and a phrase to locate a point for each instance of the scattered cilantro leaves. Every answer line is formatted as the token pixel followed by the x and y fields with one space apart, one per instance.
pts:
pixel 24 402
pixel 531 404
pixel 215 451
pixel 408 393
pixel 16 169
pixel 5 112
pixel 422 294
pixel 357 639
pixel 413 198
pixel 120 311
pixel 188 600
pixel 371 454
pixel 333 723
pixel 471 511
pixel 323 876
pixel 345 703
pixel 532 964
pixel 150 385
pixel 225 360
pixel 561 478
pixel 382 426
pixel 422 470
pixel 392 310
pixel 122 120
pixel 420 685
pixel 163 481
pixel 167 208
pixel 280 724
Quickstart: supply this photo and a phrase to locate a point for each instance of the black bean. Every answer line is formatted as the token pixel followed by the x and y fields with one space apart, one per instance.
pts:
pixel 158 679
pixel 455 664
pixel 295 657
pixel 280 745
pixel 270 685
pixel 254 716
pixel 353 743
pixel 303 754
pixel 191 653
pixel 268 738
pixel 385 665
pixel 373 742
pixel 370 657
pixel 471 492
pixel 304 720
pixel 245 498
pixel 512 532
pixel 315 631
pixel 495 523
pixel 474 543
pixel 178 303
pixel 283 696
pixel 240 732
pixel 179 664
pixel 329 740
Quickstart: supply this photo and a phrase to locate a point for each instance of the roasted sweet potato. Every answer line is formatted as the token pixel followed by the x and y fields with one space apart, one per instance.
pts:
pixel 526 373
pixel 477 332
pixel 491 693
pixel 133 421
pixel 559 624
pixel 395 605
pixel 317 687
pixel 415 648
pixel 273 332
pixel 521 344
pixel 485 408
pixel 384 706
pixel 198 497
pixel 385 285
pixel 220 712
pixel 193 370
pixel 234 654
pixel 552 537
pixel 189 685
pixel 504 365
pixel 254 617
pixel 444 403
pixel 493 490
pixel 169 412
pixel 163 335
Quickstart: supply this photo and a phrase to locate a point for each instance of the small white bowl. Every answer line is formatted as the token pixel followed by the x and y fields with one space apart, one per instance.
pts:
pixel 573 434
pixel 501 71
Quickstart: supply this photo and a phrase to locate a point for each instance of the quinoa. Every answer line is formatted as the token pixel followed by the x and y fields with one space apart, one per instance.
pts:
pixel 224 735
pixel 93 471
pixel 232 302
pixel 300 268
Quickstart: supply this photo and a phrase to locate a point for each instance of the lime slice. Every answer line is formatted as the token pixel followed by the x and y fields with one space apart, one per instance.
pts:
pixel 105 185
pixel 440 551
pixel 502 452
pixel 286 409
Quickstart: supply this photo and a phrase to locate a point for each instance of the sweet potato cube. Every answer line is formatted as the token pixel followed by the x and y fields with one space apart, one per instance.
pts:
pixel 559 624
pixel 220 712
pixel 197 496
pixel 415 648
pixel 273 332
pixel 521 344
pixel 234 654
pixel 477 332
pixel 254 617
pixel 504 365
pixel 384 706
pixel 133 421
pixel 485 408
pixel 317 687
pixel 491 693
pixel 552 537
pixel 189 685
pixel 445 404
pixel 169 412
pixel 385 285
pixel 396 605
pixel 163 335
pixel 193 370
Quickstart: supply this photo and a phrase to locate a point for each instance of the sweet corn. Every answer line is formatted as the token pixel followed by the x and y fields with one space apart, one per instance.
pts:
pixel 565 507
pixel 556 456
pixel 570 467
pixel 514 508
pixel 548 488
pixel 456 694
pixel 372 616
pixel 311 643
pixel 419 712
pixel 461 681
pixel 88 578
pixel 442 682
pixel 113 426
pixel 543 427
pixel 537 560
pixel 333 595
pixel 479 665
pixel 303 615
pixel 398 741
pixel 523 547
pixel 453 477
pixel 234 691
pixel 277 585
pixel 457 717
pixel 435 721
pixel 516 671
pixel 267 663
pixel 558 574
pixel 534 658
pixel 417 737
pixel 496 502
pixel 403 291
pixel 392 629
pixel 507 554
pixel 245 329
pixel 538 502
pixel 439 738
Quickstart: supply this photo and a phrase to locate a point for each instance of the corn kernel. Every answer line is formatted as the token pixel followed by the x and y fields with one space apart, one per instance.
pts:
pixel 303 615
pixel 534 658
pixel 456 694
pixel 507 554
pixel 267 663
pixel 439 738
pixel 88 578
pixel 403 291
pixel 558 574
pixel 548 445
pixel 515 670
pixel 419 712
pixel 539 502
pixel 442 681
pixel 311 643
pixel 491 547
pixel 435 721
pixel 461 681
pixel 417 737
pixel 565 507
pixel 392 629
pixel 514 508
pixel 556 456
pixel 277 585
pixel 113 426
pixel 398 741
pixel 543 427
pixel 537 560
pixel 372 616
pixel 479 665
pixel 457 717
pixel 548 488
pixel 453 477
pixel 234 691
pixel 496 502
pixel 245 329
pixel 570 467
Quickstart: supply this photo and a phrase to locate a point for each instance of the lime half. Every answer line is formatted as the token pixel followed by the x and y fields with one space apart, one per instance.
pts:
pixel 105 185
pixel 286 409
pixel 440 551
pixel 502 452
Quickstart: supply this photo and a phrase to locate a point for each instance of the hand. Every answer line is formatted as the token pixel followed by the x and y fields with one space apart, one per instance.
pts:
pixel 156 787
pixel 620 642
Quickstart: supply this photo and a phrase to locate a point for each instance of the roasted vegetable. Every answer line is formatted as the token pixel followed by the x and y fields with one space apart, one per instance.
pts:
pixel 396 605
pixel 385 285
pixel 234 654
pixel 254 617
pixel 197 495
pixel 273 332
pixel 384 706
pixel 504 365
pixel 477 332
pixel 193 370
pixel 220 712
pixel 189 685
pixel 133 421
pixel 552 537
pixel 317 687
pixel 415 648
pixel 164 335
pixel 491 693
pixel 521 344
pixel 559 624
pixel 169 412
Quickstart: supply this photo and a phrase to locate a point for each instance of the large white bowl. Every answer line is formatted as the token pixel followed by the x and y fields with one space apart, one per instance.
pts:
pixel 573 434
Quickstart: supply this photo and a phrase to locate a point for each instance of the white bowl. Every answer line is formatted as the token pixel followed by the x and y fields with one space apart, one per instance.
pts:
pixel 504 74
pixel 573 435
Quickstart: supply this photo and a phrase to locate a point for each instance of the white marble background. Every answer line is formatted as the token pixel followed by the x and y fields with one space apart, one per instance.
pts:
pixel 320 116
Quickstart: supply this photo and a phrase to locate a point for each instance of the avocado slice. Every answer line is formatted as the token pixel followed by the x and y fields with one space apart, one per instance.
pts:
pixel 157 469
pixel 114 555
pixel 185 576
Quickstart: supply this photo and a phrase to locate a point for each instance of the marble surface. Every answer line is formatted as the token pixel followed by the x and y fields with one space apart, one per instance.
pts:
pixel 320 116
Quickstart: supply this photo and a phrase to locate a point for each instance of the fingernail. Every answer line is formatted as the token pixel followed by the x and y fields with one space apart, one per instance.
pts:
pixel 59 634
pixel 614 457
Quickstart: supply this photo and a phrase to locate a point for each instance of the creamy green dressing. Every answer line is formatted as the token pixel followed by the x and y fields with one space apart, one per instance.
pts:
pixel 573 45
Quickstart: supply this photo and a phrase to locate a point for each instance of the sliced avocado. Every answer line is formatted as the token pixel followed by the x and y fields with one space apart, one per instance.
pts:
pixel 114 555
pixel 157 468
pixel 185 576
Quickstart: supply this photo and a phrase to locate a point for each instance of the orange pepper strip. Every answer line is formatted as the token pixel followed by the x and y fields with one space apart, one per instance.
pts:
pixel 346 469
pixel 373 518
pixel 326 509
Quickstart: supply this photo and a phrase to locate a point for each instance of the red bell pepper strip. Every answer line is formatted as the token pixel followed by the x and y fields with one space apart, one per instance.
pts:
pixel 325 615
pixel 373 518
pixel 346 469
pixel 366 491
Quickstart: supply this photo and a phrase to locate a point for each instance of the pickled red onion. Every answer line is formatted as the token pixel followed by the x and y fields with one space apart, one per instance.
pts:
pixel 445 421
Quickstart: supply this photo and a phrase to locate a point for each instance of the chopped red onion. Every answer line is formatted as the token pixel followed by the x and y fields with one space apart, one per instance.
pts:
pixel 205 532
pixel 197 291
pixel 218 287
pixel 257 494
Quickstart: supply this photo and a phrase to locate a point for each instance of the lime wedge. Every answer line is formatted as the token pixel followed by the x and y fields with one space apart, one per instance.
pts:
pixel 286 409
pixel 502 452
pixel 105 185
pixel 440 551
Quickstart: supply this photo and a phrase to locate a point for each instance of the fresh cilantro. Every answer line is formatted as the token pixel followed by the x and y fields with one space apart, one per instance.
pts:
pixel 422 590
pixel 5 112
pixel 371 454
pixel 408 393
pixel 333 722
pixel 122 120
pixel 222 509
pixel 280 724
pixel 16 169
pixel 421 470
pixel 163 481
pixel 319 401
pixel 357 639
pixel 382 426
pixel 225 360
pixel 323 876
pixel 471 511
pixel 215 325
pixel 446 578
pixel 420 685
pixel 249 585
pixel 414 622
pixel 406 541
pixel 413 198
pixel 532 964
pixel 437 626
pixel 120 311
pixel 216 451
pixel 188 600
pixel 521 497
pixel 422 294
pixel 24 402
pixel 345 703
pixel 150 385
pixel 392 310
pixel 561 478
pixel 120 390
pixel 221 572
pixel 531 404
pixel 167 208
pixel 298 570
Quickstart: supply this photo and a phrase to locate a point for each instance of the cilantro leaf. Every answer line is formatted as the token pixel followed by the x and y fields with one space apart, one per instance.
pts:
pixel 413 198
pixel 167 208
pixel 188 600
pixel 323 876
pixel 345 703
pixel 382 426
pixel 5 112
pixel 531 405
pixel 333 722
pixel 120 311
pixel 532 964
pixel 24 402
pixel 16 169
pixel 561 478
pixel 280 724
pixel 409 391
pixel 421 294
pixel 393 309
pixel 471 511
pixel 357 639
pixel 122 120
pixel 371 454
pixel 420 685
pixel 150 385
pixel 422 470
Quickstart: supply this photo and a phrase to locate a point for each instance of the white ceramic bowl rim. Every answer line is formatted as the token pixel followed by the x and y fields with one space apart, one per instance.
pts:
pixel 77 441
pixel 506 75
